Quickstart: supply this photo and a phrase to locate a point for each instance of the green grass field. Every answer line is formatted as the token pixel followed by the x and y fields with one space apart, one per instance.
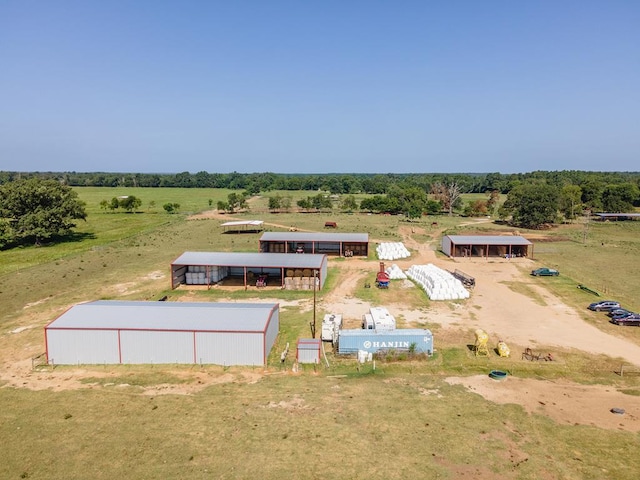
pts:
pixel 401 420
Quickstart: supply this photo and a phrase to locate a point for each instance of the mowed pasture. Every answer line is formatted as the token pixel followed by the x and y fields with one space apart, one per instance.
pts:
pixel 401 420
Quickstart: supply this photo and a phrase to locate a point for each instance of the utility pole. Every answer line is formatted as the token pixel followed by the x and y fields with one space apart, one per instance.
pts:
pixel 313 325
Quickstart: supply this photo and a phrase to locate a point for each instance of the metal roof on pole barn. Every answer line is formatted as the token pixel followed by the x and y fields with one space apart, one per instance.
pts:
pixel 113 332
pixel 246 261
pixel 347 244
pixel 241 259
pixel 314 236
pixel 495 242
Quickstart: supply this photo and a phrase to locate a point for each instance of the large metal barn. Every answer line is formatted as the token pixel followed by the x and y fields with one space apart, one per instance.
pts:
pixel 356 244
pixel 124 332
pixel 272 269
pixel 506 246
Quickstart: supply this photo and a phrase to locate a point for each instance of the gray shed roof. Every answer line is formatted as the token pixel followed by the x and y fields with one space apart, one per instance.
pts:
pixel 314 237
pixel 240 259
pixel 166 316
pixel 309 344
pixel 488 240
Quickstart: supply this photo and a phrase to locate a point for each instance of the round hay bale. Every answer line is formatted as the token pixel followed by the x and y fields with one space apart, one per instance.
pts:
pixel 289 272
pixel 306 272
pixel 297 272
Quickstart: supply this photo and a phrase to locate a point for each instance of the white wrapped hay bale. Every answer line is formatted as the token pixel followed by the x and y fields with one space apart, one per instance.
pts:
pixel 392 251
pixel 437 283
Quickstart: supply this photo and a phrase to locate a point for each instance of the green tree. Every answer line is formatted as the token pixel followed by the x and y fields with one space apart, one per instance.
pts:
pixel 130 203
pixel 620 198
pixel 34 210
pixel 348 203
pixel 236 201
pixel 171 207
pixel 275 202
pixel 532 205
pixel 114 204
pixel 476 208
pixel 433 207
pixel 570 197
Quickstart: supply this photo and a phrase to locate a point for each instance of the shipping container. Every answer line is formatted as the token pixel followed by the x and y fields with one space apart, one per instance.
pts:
pixel 417 340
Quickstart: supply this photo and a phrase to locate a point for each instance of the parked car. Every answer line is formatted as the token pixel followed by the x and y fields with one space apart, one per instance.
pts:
pixel 545 272
pixel 624 314
pixel 628 321
pixel 619 311
pixel 604 306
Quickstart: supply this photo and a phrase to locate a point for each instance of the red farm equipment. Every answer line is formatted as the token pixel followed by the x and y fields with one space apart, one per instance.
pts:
pixel 382 277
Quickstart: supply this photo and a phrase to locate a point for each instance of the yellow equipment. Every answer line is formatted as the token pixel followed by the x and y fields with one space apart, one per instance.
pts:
pixel 503 349
pixel 481 343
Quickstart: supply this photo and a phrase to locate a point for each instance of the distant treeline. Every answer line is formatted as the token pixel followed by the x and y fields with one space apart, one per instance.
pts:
pixel 335 183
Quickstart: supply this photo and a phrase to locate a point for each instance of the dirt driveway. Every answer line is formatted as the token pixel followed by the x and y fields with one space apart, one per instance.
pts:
pixel 505 314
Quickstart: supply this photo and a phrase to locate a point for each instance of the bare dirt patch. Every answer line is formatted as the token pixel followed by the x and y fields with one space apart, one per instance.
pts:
pixel 565 402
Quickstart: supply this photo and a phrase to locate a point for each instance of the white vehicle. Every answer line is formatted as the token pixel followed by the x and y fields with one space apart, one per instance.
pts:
pixel 378 318
pixel 330 326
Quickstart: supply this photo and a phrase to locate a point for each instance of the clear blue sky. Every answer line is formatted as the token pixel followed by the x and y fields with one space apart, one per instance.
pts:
pixel 307 86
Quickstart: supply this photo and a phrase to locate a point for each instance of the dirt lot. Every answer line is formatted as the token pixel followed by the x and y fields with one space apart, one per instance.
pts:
pixel 503 313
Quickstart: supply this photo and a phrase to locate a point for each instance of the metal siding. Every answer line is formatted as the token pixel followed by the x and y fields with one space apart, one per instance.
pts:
pixel 323 273
pixel 446 245
pixel 72 347
pixel 156 347
pixel 308 356
pixel 350 341
pixel 226 348
pixel 272 332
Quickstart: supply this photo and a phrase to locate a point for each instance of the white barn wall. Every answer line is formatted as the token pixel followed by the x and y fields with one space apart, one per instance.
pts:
pixel 72 347
pixel 272 330
pixel 241 348
pixel 156 347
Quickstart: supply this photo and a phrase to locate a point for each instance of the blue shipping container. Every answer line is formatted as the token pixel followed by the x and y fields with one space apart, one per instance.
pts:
pixel 350 341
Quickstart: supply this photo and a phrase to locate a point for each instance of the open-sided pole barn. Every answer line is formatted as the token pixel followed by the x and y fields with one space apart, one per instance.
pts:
pixel 487 246
pixel 126 332
pixel 315 242
pixel 212 267
pixel 242 226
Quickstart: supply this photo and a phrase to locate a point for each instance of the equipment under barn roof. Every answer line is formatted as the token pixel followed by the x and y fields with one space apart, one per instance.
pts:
pixel 115 332
pixel 251 268
pixel 487 246
pixel 344 244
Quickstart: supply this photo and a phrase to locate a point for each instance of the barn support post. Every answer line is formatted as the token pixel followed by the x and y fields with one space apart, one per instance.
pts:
pixel 244 269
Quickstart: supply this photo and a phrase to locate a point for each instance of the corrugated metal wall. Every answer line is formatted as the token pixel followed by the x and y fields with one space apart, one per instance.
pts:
pixel 272 330
pixel 72 347
pixel 156 347
pixel 307 355
pixel 446 245
pixel 225 348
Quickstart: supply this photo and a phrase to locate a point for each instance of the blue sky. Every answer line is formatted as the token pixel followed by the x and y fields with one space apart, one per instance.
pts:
pixel 319 86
